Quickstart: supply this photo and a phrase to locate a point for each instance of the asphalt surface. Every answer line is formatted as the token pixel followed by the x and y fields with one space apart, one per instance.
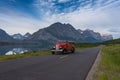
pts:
pixel 50 67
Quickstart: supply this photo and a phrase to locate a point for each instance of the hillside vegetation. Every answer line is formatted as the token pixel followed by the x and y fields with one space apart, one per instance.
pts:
pixel 80 46
pixel 116 41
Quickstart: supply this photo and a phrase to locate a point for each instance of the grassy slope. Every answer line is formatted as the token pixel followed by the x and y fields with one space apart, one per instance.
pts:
pixel 27 54
pixel 109 66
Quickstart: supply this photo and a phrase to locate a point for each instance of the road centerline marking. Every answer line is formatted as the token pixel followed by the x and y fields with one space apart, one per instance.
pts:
pixel 63 56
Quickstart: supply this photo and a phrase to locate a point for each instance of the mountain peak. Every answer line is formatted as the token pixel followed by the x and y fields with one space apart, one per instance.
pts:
pixel 89 30
pixel 27 35
pixel 19 36
pixel 107 37
pixel 65 31
pixel 57 31
pixel 4 35
pixel 56 24
pixel 59 25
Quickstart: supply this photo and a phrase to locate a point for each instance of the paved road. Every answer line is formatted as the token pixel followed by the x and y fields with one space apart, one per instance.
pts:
pixel 50 67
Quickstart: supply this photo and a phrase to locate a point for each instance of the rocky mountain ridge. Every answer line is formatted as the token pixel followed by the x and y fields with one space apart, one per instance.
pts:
pixel 4 36
pixel 58 31
pixel 19 36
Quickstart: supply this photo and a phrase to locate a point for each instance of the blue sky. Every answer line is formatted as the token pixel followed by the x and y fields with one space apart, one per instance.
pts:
pixel 21 16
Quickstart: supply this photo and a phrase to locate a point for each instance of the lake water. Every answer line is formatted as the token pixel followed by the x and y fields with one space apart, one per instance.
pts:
pixel 19 49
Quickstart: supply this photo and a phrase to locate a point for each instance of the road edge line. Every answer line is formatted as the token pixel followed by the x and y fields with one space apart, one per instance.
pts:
pixel 94 67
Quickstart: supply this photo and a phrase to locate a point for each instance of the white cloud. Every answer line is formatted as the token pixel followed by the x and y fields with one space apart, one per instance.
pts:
pixel 97 20
pixel 17 24
pixel 63 1
pixel 100 19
